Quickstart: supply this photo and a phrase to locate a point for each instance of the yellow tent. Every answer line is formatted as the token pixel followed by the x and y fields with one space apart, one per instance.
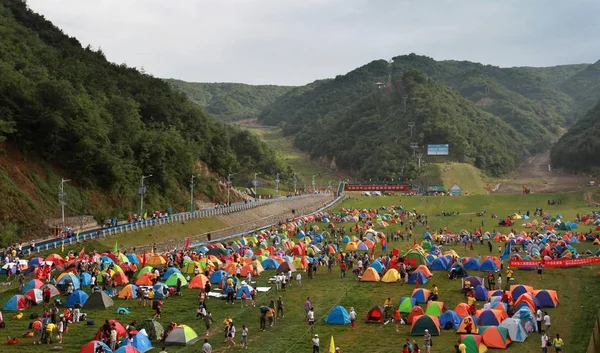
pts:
pixel 351 246
pixel 391 276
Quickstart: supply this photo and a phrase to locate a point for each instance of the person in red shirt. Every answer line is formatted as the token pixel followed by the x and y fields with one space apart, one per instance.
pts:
pixel 342 269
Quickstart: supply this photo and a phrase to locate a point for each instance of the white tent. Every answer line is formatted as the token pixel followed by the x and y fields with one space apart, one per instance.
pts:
pixel 515 329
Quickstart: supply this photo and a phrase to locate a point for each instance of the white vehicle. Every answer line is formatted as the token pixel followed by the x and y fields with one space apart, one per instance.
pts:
pixel 591 183
pixel 366 193
pixel 376 193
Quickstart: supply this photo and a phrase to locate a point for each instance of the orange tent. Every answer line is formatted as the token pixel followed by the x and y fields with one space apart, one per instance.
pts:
pixel 467 323
pixel 199 281
pixel 495 259
pixel 425 271
pixel 120 278
pixel 230 268
pixel 247 269
pixel 127 292
pixel 462 310
pixel 145 279
pixel 155 260
pixel 491 317
pixel 414 312
pixel 495 337
pixel 370 275
pixel 526 298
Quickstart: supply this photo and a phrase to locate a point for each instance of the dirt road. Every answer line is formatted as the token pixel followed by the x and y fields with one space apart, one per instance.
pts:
pixel 537 175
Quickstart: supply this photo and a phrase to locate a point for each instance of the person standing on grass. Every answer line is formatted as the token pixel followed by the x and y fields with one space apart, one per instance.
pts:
pixel 545 341
pixel 539 317
pixel 113 338
pixel 427 341
pixel 315 343
pixel 230 335
pixel 547 321
pixel 263 317
pixel 557 343
pixel 539 270
pixel 60 328
pixel 279 308
pixel 206 347
pixel 352 316
pixel 299 279
pixel 311 319
pixel 342 269
pixel 208 322
pixel 244 341
pixel 307 305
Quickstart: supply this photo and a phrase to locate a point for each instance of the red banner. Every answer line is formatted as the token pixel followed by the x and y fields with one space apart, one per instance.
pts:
pixel 356 187
pixel 555 263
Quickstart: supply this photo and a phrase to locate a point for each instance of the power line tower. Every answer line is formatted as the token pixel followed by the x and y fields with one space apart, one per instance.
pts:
pixel 419 157
pixel 414 147
pixel 411 124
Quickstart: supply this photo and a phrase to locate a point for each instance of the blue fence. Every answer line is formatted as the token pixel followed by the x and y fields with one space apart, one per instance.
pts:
pixel 133 226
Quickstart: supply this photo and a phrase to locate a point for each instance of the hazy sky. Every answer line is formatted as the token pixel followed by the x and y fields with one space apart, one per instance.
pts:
pixel 295 42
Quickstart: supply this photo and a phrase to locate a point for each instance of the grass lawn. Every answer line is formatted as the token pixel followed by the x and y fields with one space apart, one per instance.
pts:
pixel 578 290
pixel 468 177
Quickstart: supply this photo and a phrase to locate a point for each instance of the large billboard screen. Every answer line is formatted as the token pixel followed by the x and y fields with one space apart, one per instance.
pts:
pixel 437 150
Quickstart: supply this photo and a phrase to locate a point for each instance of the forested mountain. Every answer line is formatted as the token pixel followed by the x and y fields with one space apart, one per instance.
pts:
pixel 370 135
pixel 230 101
pixel 584 87
pixel 579 148
pixel 533 101
pixel 104 125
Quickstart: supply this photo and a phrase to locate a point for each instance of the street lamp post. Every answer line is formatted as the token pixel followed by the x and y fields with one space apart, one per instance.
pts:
pixel 255 182
pixel 142 192
pixel 229 186
pixel 314 183
pixel 295 182
pixel 192 194
pixel 62 198
pixel 277 184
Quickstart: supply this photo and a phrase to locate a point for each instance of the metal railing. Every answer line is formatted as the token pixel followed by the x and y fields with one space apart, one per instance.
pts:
pixel 99 233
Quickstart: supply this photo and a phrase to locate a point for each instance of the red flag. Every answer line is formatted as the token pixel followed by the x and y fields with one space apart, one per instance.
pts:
pixel 144 259
pixel 81 253
pixel 187 244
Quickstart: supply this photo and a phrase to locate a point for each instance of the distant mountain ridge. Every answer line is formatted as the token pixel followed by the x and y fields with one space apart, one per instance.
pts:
pixel 230 101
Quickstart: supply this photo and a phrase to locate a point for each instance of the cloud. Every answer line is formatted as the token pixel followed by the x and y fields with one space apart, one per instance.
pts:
pixel 295 42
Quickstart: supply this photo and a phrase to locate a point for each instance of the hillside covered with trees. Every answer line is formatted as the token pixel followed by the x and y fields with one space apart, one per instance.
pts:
pixel 104 125
pixel 534 102
pixel 230 101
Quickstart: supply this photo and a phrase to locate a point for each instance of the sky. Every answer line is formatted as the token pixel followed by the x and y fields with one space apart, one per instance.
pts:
pixel 294 42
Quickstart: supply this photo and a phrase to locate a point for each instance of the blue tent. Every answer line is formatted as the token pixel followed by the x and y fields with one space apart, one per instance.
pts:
pixel 545 299
pixel 270 264
pixel 160 290
pixel 487 318
pixel 518 291
pixel 169 272
pixel 338 316
pixel 440 264
pixel 78 297
pixel 29 285
pixel 218 276
pixel 244 289
pixel 74 279
pixel 362 247
pixel 377 266
pixel 133 259
pixel 15 303
pixel 417 276
pixel 489 266
pixel 412 300
pixel 427 236
pixel 85 278
pixel 140 342
pixel 472 264
pixel 481 293
pixel 345 239
pixel 107 260
pixel 449 320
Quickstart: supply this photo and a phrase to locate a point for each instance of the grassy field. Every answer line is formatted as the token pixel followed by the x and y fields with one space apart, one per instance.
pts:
pixel 469 178
pixel 295 158
pixel 578 291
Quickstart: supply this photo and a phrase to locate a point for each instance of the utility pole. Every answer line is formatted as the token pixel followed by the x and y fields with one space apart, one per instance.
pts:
pixel 411 124
pixel 419 156
pixel 229 186
pixel 255 182
pixel 414 147
pixel 314 183
pixel 295 182
pixel 62 199
pixel 277 184
pixel 142 192
pixel 192 194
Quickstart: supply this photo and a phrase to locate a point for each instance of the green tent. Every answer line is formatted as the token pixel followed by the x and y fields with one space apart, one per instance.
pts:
pixel 406 305
pixel 425 322
pixel 426 245
pixel 153 328
pixel 417 257
pixel 182 335
pixel 172 280
pixel 435 308
pixel 473 343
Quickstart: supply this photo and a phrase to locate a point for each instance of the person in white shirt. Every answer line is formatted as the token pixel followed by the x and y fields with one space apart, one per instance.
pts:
pixel 545 340
pixel 310 316
pixel 278 282
pixel 299 278
pixel 315 344
pixel 206 348
pixel 547 321
pixel 539 317
pixel 76 314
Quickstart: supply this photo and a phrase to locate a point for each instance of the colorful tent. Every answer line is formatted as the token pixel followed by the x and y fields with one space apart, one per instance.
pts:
pixel 515 330
pixel 370 275
pixel 338 316
pixel 375 315
pixel 141 342
pixel 435 308
pixel 416 257
pixel 33 284
pixel 527 320
pixel 472 264
pixel 468 325
pixel 546 298
pixel 425 322
pixel 494 336
pixel 517 290
pixel 16 303
pixel 128 292
pixel 526 300
pixel 286 267
pixel 121 331
pixel 35 295
pixel 416 311
pixel 417 277
pixel 99 300
pixel 391 276
pixel 182 335
pixel 199 281
pixel 491 317
pixel 92 346
pixel 219 275
pixel 462 309
pixel 172 280
pixel 406 304
pixel 449 320
pixel 457 270
pixel 481 293
pixel 473 343
pixel 78 297
pixel 489 266
pixel 247 289
pixel 440 264
pixel 127 349
pixel 421 295
pixel 53 290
